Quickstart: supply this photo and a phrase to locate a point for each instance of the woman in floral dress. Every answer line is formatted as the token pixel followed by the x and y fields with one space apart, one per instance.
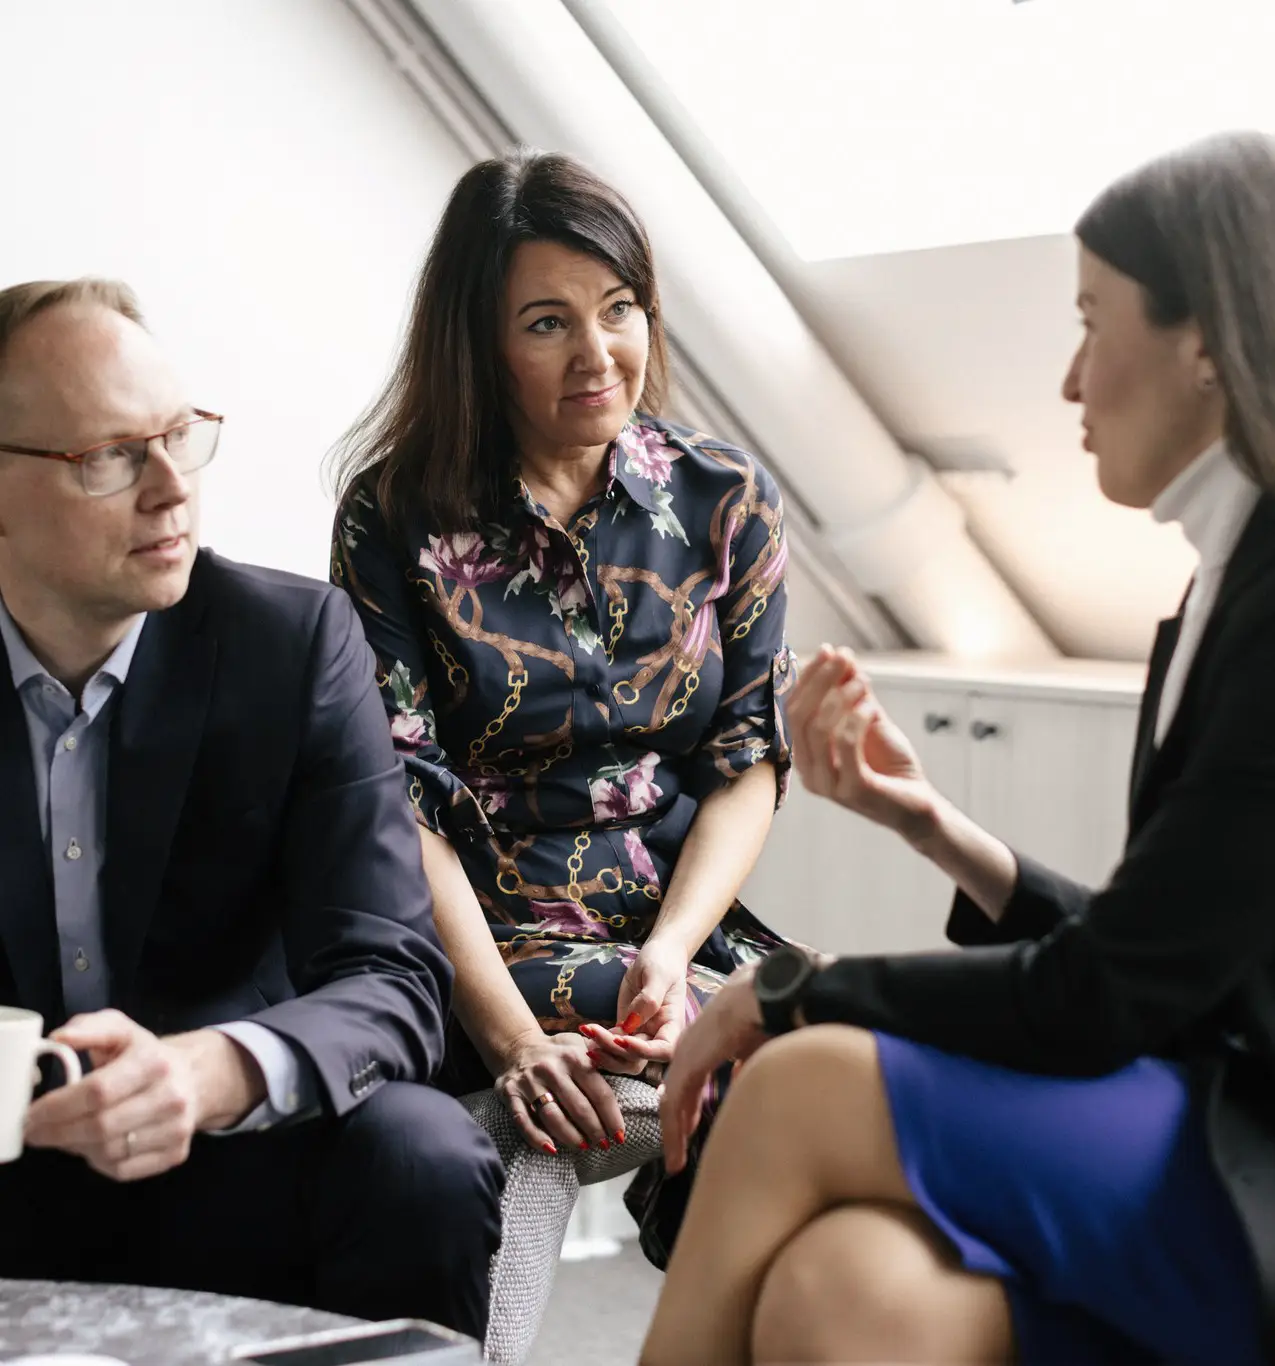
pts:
pixel 577 612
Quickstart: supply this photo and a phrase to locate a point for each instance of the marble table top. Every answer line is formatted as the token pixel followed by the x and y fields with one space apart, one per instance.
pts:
pixel 140 1325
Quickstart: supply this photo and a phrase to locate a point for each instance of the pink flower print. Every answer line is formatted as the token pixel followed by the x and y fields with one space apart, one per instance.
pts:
pixel 644 792
pixel 566 917
pixel 640 858
pixel 646 454
pixel 536 551
pixel 636 793
pixel 492 793
pixel 610 801
pixel 407 729
pixel 460 557
pixel 572 593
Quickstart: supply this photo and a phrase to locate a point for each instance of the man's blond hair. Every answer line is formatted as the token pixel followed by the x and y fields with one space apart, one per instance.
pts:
pixel 20 303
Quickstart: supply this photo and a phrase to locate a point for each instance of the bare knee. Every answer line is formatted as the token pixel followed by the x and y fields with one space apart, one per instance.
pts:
pixel 837 1278
pixel 815 1099
pixel 875 1283
pixel 811 1066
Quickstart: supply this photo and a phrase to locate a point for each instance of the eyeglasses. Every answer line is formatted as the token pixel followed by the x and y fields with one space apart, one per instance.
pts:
pixel 114 466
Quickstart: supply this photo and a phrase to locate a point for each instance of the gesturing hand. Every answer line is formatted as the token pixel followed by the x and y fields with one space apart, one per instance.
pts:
pixel 134 1115
pixel 729 1027
pixel 846 748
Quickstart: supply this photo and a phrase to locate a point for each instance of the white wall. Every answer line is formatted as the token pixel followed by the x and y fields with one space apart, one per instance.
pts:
pixel 267 184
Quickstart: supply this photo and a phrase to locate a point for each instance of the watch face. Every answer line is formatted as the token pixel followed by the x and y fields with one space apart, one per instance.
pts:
pixel 781 970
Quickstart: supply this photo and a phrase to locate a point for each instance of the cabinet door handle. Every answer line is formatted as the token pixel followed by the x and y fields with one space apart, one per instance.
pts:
pixel 984 730
pixel 934 722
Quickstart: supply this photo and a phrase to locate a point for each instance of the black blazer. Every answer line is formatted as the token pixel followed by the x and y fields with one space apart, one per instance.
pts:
pixel 1175 956
pixel 261 859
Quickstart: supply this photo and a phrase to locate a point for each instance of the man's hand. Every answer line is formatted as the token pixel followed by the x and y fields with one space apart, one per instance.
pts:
pixel 135 1114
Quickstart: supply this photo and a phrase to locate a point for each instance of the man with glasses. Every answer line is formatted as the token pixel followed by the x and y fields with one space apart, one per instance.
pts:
pixel 210 881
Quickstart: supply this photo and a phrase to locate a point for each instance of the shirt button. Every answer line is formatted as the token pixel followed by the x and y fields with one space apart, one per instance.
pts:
pixel 73 850
pixel 70 742
pixel 81 961
pixel 597 690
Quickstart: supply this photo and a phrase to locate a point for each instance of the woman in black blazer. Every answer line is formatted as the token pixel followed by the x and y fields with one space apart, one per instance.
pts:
pixel 1059 1144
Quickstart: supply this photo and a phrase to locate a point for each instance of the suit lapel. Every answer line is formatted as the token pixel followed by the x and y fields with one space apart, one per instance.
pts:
pixel 1166 641
pixel 1253 555
pixel 28 926
pixel 155 736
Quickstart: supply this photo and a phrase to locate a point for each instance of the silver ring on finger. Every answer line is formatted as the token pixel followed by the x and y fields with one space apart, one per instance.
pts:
pixel 544 1099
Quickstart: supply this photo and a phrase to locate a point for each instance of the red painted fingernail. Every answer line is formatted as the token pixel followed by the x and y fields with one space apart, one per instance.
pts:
pixel 619 1135
pixel 631 1022
pixel 604 1145
pixel 550 1149
pixel 623 1043
pixel 594 1055
pixel 584 1147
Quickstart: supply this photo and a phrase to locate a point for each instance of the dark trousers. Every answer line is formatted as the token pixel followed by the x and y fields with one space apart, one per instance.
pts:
pixel 391 1211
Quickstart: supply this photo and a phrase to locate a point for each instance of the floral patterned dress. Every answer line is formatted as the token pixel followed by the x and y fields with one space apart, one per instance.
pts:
pixel 563 698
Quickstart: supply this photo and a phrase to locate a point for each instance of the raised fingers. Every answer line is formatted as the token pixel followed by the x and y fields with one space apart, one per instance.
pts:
pixel 823 672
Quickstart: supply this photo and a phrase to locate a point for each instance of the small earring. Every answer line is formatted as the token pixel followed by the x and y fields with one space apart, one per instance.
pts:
pixel 1207 383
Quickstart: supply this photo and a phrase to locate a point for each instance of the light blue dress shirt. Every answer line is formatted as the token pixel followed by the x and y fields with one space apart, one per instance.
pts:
pixel 69 755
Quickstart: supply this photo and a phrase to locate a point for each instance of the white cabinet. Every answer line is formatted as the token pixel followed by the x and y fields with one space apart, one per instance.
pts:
pixel 1039 757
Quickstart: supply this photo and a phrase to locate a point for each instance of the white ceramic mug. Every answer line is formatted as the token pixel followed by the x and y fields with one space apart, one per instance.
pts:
pixel 20 1045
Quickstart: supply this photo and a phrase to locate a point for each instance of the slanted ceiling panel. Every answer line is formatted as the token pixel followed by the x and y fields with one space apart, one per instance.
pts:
pixel 961 351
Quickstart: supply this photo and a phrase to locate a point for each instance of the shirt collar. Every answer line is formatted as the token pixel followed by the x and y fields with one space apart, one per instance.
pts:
pixel 1211 500
pixel 639 465
pixel 24 666
pixel 636 461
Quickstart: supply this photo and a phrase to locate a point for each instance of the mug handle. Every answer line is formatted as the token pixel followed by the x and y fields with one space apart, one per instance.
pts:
pixel 66 1056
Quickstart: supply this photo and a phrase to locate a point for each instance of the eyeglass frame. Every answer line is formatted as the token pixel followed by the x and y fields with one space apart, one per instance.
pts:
pixel 79 457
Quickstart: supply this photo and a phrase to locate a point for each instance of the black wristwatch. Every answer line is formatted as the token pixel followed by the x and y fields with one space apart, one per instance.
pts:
pixel 780 982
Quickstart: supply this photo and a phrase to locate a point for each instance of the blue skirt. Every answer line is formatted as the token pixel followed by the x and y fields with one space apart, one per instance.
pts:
pixel 1093 1200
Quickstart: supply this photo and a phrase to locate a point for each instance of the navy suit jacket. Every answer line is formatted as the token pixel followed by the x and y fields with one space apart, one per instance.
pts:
pixel 262 862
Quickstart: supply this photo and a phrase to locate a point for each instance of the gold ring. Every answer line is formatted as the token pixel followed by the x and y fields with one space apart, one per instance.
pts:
pixel 130 1140
pixel 543 1099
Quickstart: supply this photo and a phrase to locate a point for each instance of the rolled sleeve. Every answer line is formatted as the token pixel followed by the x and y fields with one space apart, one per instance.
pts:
pixel 758 667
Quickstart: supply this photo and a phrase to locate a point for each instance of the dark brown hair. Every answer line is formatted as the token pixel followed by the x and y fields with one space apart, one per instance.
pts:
pixel 1196 229
pixel 437 437
pixel 20 303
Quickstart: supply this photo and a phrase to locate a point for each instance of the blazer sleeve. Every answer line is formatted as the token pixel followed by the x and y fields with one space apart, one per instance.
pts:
pixel 1040 901
pixel 373 984
pixel 758 667
pixel 1182 923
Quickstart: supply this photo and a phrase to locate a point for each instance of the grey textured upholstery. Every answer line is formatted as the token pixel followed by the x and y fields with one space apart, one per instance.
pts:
pixel 540 1193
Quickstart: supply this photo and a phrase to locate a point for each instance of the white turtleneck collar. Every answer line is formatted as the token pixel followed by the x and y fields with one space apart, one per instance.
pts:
pixel 1211 500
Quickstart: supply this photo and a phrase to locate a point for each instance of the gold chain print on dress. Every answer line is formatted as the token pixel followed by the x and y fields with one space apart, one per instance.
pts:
pixel 562 701
pixel 516 681
pixel 455 670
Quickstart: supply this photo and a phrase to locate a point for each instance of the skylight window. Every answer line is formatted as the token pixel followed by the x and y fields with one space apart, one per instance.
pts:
pixel 868 126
